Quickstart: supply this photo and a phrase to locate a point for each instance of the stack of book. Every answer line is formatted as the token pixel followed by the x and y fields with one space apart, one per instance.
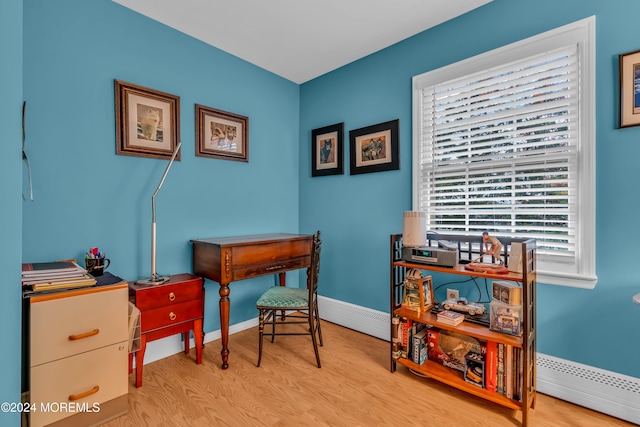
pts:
pixel 452 318
pixel 45 276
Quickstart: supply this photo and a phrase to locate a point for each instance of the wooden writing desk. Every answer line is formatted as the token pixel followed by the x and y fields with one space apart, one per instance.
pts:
pixel 227 259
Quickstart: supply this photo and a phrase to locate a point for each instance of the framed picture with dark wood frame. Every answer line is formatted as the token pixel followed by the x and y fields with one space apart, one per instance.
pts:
pixel 629 84
pixel 327 150
pixel 375 148
pixel 147 121
pixel 221 135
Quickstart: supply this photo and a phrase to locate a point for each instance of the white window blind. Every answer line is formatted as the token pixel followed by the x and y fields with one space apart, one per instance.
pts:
pixel 499 149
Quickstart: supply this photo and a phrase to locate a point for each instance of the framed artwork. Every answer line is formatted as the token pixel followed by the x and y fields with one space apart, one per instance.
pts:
pixel 375 148
pixel 147 121
pixel 221 135
pixel 327 150
pixel 629 84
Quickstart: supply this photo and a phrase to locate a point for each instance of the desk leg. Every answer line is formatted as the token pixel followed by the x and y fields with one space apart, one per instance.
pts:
pixel 224 323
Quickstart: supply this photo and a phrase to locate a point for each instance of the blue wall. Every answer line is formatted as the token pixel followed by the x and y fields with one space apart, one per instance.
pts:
pixel 357 213
pixel 86 195
pixel 10 212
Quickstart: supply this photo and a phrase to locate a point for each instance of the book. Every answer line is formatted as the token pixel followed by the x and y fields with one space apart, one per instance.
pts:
pixel 406 331
pixel 47 267
pixel 420 346
pixel 56 279
pixel 450 317
pixel 491 372
pixel 64 284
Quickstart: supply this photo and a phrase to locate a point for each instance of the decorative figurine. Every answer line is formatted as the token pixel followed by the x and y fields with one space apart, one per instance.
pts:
pixel 495 249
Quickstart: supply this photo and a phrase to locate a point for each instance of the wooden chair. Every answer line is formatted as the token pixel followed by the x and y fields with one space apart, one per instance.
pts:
pixel 298 306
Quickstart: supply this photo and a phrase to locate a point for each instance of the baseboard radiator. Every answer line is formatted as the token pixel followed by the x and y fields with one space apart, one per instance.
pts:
pixel 603 391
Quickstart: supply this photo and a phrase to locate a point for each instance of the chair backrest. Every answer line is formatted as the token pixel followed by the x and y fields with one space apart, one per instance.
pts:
pixel 314 270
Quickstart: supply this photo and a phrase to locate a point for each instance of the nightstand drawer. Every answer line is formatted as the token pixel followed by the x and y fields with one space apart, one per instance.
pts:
pixel 170 315
pixel 66 326
pixel 160 296
pixel 82 380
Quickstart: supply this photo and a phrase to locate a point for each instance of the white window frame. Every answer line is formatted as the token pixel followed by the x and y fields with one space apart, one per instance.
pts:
pixel 582 272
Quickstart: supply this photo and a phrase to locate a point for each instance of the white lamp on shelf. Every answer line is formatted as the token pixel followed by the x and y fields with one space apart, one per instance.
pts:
pixel 155 278
pixel 636 299
pixel 414 229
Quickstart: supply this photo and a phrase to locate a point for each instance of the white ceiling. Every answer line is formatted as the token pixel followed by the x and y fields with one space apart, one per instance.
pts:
pixel 301 39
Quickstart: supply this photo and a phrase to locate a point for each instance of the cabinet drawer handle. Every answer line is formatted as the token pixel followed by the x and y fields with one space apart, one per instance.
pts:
pixel 172 296
pixel 79 396
pixel 172 316
pixel 84 335
pixel 275 267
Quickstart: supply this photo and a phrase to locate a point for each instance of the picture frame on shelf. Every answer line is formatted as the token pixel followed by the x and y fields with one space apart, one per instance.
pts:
pixel 327 150
pixel 375 148
pixel 147 121
pixel 629 89
pixel 417 292
pixel 221 135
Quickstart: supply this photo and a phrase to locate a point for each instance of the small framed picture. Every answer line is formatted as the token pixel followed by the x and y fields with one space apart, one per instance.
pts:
pixel 375 148
pixel 417 292
pixel 147 121
pixel 327 150
pixel 629 84
pixel 221 135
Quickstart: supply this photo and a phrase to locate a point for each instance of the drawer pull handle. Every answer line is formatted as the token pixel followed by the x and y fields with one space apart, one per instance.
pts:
pixel 84 335
pixel 172 296
pixel 275 267
pixel 172 316
pixel 79 396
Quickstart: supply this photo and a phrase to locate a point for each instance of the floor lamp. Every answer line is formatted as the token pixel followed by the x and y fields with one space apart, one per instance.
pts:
pixel 155 279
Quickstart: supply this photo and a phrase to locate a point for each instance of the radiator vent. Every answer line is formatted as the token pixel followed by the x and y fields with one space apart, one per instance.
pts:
pixel 631 385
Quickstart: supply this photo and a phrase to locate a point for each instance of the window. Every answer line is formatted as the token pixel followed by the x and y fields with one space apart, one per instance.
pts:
pixel 505 142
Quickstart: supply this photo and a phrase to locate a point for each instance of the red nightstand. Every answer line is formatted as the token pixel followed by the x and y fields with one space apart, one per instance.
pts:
pixel 172 307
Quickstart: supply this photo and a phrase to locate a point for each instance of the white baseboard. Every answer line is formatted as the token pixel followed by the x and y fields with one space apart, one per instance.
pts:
pixel 603 391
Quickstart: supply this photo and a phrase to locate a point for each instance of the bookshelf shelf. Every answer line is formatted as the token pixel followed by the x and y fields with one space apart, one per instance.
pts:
pixel 454 378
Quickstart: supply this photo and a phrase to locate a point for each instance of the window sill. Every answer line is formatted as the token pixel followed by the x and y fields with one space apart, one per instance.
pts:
pixel 582 281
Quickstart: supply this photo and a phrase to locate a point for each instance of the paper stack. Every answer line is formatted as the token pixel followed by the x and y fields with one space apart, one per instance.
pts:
pixel 44 276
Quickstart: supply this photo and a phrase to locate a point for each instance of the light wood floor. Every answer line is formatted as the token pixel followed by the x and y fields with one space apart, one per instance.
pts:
pixel 354 387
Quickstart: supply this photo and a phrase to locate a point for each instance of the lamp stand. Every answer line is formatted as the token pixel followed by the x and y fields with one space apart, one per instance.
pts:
pixel 155 278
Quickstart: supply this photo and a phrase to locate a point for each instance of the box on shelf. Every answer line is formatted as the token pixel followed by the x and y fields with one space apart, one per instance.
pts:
pixel 474 369
pixel 450 348
pixel 508 293
pixel 506 318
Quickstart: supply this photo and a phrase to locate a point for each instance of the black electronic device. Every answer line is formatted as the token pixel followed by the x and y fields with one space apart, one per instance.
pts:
pixel 431 256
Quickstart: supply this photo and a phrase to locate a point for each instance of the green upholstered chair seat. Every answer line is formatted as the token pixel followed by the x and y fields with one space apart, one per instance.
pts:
pixel 284 297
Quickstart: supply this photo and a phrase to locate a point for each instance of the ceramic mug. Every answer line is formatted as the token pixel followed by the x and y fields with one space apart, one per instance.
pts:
pixel 97 266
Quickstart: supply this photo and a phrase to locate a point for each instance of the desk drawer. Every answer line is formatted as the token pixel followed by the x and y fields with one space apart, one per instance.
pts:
pixel 171 315
pixel 160 296
pixel 100 374
pixel 66 326
pixel 269 253
pixel 275 268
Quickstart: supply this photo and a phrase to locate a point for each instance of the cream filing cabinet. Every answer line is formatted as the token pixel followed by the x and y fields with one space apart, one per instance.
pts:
pixel 79 356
